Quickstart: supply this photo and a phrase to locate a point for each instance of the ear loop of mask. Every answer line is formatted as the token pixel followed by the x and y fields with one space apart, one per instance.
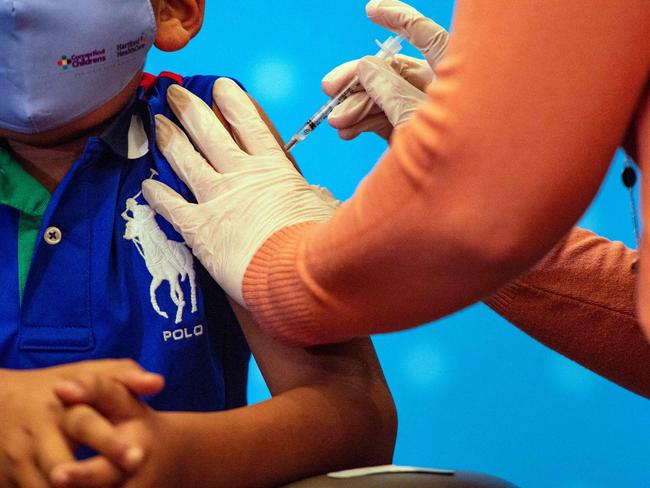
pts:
pixel 630 179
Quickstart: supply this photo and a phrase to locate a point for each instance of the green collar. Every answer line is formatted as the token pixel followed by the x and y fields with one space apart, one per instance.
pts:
pixel 20 190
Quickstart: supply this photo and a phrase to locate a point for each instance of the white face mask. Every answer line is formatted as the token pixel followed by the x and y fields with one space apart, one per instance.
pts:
pixel 63 59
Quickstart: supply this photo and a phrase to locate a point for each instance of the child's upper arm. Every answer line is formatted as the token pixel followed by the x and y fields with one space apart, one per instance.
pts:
pixel 284 368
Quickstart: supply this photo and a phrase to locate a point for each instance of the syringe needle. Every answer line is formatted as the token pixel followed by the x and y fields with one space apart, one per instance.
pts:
pixel 291 144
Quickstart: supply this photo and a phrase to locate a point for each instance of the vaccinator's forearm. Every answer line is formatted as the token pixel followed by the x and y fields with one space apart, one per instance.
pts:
pixel 580 301
pixel 529 107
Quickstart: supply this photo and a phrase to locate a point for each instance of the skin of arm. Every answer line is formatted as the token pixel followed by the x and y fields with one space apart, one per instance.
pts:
pixel 331 410
pixel 580 301
pixel 511 147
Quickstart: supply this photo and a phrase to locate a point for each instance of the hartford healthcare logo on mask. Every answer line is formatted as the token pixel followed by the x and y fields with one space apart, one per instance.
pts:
pixel 98 56
pixel 132 46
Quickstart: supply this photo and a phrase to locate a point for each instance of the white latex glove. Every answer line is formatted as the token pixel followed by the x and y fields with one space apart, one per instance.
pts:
pixel 244 194
pixel 392 90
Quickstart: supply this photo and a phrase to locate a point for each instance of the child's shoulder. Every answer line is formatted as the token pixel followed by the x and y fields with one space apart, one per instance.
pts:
pixel 200 85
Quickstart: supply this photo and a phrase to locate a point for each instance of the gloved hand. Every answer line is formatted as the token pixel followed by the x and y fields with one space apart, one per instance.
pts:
pixel 245 194
pixel 392 90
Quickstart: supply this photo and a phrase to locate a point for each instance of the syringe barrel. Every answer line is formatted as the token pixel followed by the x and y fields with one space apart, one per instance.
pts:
pixel 387 50
pixel 325 111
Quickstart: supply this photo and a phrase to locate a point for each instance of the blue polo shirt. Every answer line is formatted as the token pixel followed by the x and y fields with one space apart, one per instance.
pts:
pixel 91 272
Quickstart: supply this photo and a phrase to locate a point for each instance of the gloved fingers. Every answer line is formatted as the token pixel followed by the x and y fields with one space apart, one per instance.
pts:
pixel 378 123
pixel 245 120
pixel 416 71
pixel 171 206
pixel 206 130
pixel 382 85
pixel 396 96
pixel 185 160
pixel 423 33
pixel 360 106
pixel 349 134
pixel 339 78
pixel 410 108
pixel 352 111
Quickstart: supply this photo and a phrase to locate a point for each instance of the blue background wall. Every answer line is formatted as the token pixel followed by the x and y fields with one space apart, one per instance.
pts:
pixel 472 391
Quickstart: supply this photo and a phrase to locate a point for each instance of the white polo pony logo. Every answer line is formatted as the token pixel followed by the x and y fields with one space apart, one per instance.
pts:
pixel 166 260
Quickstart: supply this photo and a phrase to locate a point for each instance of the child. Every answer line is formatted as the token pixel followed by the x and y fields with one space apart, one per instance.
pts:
pixel 89 272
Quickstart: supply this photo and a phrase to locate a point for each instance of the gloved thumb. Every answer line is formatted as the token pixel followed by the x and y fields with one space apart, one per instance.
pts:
pixel 334 81
pixel 423 33
pixel 170 205
pixel 393 94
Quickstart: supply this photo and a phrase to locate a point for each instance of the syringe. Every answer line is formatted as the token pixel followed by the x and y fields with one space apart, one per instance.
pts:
pixel 388 50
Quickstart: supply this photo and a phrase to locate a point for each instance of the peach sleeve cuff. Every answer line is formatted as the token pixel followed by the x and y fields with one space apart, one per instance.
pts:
pixel 274 288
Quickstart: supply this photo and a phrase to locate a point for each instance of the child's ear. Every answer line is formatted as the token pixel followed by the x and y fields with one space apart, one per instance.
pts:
pixel 178 22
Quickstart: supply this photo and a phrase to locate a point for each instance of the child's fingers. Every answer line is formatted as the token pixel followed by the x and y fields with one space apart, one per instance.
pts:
pixel 111 398
pixel 18 463
pixel 125 371
pixel 53 449
pixel 28 475
pixel 142 383
pixel 86 426
pixel 97 472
